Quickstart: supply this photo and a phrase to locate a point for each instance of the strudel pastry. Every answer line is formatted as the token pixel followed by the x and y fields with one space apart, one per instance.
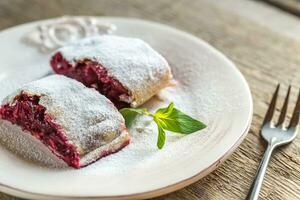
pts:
pixel 76 123
pixel 126 70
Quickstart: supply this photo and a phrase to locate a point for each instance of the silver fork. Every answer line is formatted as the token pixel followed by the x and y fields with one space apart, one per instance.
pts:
pixel 276 135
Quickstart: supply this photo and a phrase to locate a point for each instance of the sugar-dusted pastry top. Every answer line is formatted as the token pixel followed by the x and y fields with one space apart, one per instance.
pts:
pixel 88 119
pixel 138 67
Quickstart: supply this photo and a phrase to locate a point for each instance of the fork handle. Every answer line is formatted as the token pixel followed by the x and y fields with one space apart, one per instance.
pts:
pixel 259 177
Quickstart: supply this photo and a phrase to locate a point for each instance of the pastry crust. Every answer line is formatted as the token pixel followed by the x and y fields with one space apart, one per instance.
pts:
pixel 132 62
pixel 89 121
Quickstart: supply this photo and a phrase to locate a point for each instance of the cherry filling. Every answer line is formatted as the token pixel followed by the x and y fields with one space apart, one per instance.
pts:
pixel 94 75
pixel 26 112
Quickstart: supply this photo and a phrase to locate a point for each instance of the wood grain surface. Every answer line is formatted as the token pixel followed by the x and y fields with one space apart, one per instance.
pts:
pixel 264 55
pixel 290 6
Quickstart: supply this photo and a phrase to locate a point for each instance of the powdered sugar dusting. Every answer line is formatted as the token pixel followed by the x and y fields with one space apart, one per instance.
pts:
pixel 28 147
pixel 209 88
pixel 142 148
pixel 131 61
pixel 88 119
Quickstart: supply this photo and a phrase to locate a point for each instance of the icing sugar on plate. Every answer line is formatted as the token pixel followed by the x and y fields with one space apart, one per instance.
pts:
pixel 209 87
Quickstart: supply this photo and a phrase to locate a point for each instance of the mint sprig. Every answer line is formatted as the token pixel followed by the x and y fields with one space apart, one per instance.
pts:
pixel 167 119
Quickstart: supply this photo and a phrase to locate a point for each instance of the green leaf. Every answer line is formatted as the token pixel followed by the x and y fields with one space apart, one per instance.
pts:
pixel 174 120
pixel 161 140
pixel 169 118
pixel 164 112
pixel 129 114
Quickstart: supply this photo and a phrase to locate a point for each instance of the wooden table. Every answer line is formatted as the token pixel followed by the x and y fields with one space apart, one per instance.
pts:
pixel 262 38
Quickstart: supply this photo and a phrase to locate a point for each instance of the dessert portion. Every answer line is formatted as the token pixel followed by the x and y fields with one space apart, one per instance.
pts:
pixel 126 70
pixel 77 124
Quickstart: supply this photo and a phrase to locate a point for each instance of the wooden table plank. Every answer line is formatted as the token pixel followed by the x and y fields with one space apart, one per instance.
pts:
pixel 264 54
pixel 290 6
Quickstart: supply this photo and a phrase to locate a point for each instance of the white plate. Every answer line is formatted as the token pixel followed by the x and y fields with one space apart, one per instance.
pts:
pixel 209 88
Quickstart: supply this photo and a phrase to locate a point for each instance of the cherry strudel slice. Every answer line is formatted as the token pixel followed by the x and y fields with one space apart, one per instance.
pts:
pixel 126 70
pixel 76 123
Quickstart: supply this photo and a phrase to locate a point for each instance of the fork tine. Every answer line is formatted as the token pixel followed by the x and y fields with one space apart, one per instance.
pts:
pixel 295 117
pixel 272 105
pixel 284 108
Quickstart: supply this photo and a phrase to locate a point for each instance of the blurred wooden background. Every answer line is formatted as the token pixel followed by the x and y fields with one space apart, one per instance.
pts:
pixel 290 6
pixel 261 37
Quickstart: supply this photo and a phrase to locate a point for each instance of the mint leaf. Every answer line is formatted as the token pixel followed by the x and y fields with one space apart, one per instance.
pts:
pixel 129 114
pixel 169 118
pixel 174 120
pixel 161 140
pixel 165 111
